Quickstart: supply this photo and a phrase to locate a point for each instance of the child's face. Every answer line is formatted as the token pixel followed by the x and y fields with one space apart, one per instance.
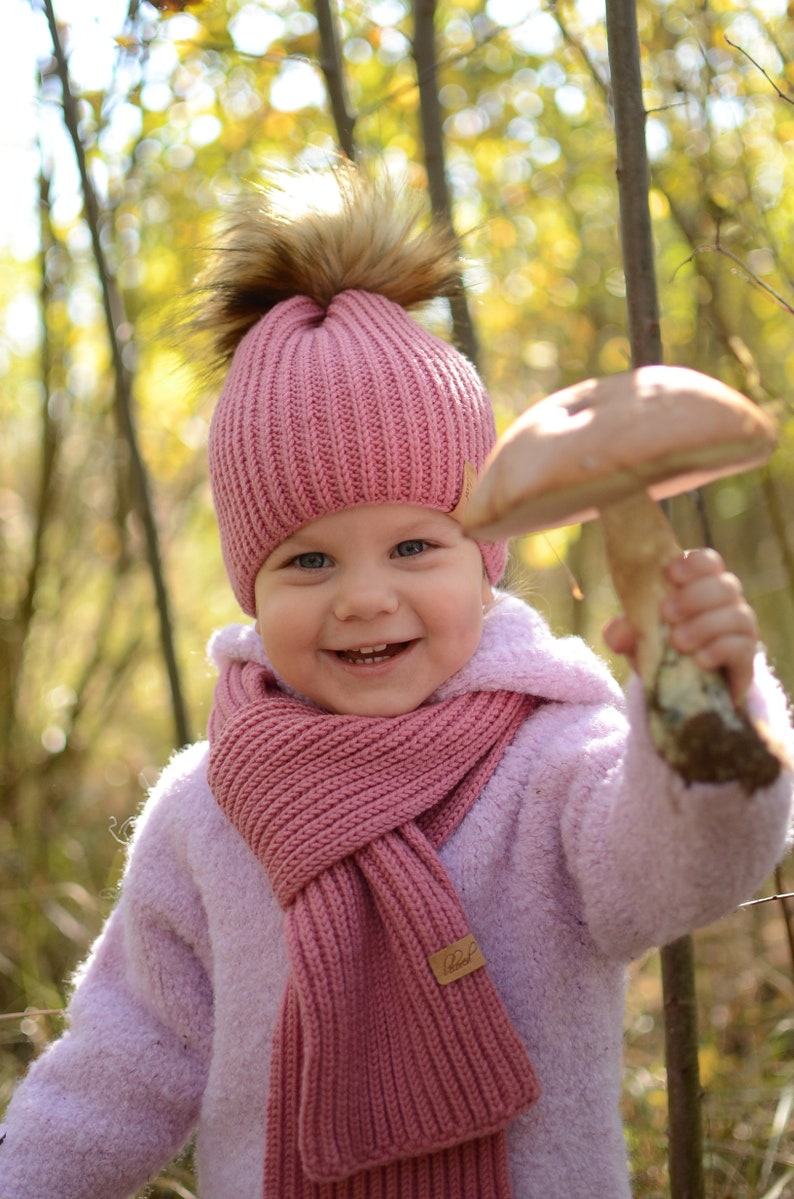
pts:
pixel 367 611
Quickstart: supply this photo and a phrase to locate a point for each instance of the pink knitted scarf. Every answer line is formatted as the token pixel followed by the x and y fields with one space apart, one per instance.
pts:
pixel 391 1076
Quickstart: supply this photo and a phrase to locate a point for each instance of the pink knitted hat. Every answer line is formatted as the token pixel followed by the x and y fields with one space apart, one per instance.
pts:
pixel 326 409
pixel 336 397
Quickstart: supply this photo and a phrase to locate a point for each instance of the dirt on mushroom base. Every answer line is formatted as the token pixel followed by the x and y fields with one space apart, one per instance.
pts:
pixel 701 734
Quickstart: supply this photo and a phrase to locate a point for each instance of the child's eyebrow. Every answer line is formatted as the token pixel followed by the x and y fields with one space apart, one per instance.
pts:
pixel 431 519
pixel 299 540
pixel 292 548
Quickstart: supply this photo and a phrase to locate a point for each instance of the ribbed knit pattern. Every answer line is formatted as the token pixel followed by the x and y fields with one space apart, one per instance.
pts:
pixel 384 1084
pixel 324 409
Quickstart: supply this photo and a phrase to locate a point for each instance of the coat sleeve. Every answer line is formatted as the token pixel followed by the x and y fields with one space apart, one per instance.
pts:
pixel 110 1103
pixel 653 858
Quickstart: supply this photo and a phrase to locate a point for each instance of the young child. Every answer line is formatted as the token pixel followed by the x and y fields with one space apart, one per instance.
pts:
pixel 372 937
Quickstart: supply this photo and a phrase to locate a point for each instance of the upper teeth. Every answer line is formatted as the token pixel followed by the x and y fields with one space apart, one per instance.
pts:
pixel 371 649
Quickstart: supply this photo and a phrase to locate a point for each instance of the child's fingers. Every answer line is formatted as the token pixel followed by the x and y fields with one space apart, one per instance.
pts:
pixel 620 635
pixel 694 564
pixel 710 619
pixel 707 615
pixel 707 630
pixel 703 594
pixel 734 656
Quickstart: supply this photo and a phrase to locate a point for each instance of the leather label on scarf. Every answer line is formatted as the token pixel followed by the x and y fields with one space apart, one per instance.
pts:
pixel 456 960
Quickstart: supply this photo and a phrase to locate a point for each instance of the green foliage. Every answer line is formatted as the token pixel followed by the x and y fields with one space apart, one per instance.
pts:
pixel 200 106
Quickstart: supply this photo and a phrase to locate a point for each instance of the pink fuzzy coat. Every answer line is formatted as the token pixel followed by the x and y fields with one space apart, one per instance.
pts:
pixel 582 851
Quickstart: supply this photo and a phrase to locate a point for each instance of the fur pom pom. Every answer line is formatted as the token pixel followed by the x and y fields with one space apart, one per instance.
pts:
pixel 317 234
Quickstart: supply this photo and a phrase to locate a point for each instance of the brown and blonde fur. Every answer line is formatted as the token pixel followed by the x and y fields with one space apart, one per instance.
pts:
pixel 346 231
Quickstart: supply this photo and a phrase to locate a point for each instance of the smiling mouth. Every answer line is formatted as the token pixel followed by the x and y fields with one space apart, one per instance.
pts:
pixel 370 655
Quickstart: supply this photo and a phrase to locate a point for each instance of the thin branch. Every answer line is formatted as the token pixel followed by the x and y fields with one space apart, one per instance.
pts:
pixel 331 67
pixel 279 57
pixel 447 60
pixel 752 386
pixel 601 82
pixel 49 432
pixel 424 47
pixel 731 340
pixel 32 1013
pixel 744 270
pixel 751 903
pixel 18 630
pixel 779 524
pixel 115 321
pixel 788 915
pixel 758 66
pixel 667 107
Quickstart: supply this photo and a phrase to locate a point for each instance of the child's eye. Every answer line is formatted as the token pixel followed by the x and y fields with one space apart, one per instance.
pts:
pixel 313 560
pixel 410 549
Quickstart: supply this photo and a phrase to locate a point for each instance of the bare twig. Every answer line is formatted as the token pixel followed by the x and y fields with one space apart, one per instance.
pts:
pixel 32 1013
pixel 582 50
pixel 744 270
pixel 49 432
pixel 279 57
pixel 116 323
pixel 751 903
pixel 331 67
pixel 758 66
pixel 783 898
pixel 447 60
pixel 752 386
pixel 433 140
pixel 19 629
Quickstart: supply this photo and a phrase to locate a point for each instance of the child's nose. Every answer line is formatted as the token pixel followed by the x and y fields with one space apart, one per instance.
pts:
pixel 364 595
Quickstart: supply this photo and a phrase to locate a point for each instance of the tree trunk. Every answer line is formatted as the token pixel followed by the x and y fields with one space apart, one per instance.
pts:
pixel 115 321
pixel 685 1151
pixel 685 1117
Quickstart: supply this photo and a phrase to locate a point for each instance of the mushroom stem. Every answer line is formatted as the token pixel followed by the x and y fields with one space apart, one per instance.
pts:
pixel 639 543
pixel 692 719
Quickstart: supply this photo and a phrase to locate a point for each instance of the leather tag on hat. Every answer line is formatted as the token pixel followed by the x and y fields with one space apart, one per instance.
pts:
pixel 457 960
pixel 469 480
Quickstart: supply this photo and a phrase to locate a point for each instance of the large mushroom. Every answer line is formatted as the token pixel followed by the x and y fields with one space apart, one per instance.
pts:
pixel 611 448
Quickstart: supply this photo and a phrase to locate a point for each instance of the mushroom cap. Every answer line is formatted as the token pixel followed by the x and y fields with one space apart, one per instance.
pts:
pixel 660 429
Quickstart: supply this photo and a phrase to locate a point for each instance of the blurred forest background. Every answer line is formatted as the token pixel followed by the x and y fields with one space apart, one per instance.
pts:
pixel 101 408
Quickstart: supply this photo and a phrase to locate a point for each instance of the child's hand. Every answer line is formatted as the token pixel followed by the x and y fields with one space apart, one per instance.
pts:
pixel 708 618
